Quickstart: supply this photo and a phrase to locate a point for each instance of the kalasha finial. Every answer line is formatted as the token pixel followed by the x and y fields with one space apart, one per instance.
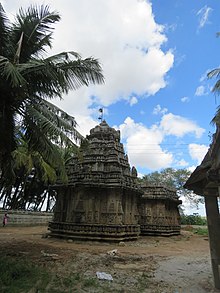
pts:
pixel 101 114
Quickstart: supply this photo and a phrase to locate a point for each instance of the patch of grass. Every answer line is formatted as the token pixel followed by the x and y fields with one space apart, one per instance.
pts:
pixel 201 231
pixel 19 275
pixel 90 283
pixel 143 282
pixel 72 280
pixel 198 230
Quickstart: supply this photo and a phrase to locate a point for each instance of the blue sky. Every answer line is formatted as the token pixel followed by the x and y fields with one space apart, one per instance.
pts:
pixel 155 57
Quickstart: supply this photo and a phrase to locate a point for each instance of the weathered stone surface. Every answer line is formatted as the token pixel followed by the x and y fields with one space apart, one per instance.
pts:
pixel 158 208
pixel 103 200
pixel 100 201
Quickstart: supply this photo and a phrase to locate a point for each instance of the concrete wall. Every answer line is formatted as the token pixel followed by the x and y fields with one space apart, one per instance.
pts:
pixel 25 218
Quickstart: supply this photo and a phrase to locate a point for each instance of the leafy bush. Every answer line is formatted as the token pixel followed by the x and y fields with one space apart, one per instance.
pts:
pixel 194 219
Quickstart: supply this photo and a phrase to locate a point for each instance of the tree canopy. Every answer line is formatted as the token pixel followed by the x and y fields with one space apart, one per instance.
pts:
pixel 174 178
pixel 28 79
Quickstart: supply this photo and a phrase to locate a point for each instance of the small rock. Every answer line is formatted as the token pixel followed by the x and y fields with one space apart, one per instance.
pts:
pixel 112 252
pixel 69 240
pixel 121 243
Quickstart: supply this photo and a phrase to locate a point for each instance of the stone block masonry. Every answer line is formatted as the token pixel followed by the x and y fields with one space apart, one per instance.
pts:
pixel 26 218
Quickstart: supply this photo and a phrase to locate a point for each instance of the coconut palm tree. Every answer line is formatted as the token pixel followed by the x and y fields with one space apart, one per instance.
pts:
pixel 28 80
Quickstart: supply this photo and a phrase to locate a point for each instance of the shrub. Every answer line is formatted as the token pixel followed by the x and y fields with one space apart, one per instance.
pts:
pixel 194 219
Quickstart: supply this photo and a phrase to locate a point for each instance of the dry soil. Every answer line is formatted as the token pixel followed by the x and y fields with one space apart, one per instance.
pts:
pixel 178 264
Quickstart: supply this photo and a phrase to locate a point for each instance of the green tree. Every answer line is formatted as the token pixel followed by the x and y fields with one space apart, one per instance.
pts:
pixel 28 80
pixel 173 178
pixel 33 176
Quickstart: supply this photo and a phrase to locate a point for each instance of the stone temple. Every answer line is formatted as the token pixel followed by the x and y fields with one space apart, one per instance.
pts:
pixel 103 200
pixel 158 211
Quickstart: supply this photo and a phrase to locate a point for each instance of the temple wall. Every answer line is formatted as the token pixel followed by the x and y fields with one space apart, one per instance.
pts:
pixel 96 206
pixel 158 212
pixel 159 217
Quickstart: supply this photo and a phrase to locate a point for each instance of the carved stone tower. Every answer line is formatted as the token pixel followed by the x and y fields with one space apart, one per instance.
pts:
pixel 100 200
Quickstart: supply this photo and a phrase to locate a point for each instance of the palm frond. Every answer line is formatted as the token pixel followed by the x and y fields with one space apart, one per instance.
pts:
pixel 61 118
pixel 10 73
pixel 27 80
pixel 4 29
pixel 22 159
pixel 216 88
pixel 58 74
pixel 36 24
pixel 38 141
pixel 214 72
pixel 80 71
pixel 216 118
pixel 51 124
pixel 45 171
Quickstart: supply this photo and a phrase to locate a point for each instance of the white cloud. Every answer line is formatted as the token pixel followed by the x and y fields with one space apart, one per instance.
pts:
pixel 191 168
pixel 200 91
pixel 204 14
pixel 133 100
pixel 185 99
pixel 159 110
pixel 143 145
pixel 198 151
pixel 85 124
pixel 182 163
pixel 122 34
pixel 179 126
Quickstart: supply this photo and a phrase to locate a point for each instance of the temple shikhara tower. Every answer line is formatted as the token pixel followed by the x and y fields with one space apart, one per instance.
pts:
pixel 103 200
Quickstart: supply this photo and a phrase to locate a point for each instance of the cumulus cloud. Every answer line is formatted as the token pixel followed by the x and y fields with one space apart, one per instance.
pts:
pixel 122 34
pixel 203 15
pixel 179 126
pixel 198 151
pixel 125 38
pixel 143 145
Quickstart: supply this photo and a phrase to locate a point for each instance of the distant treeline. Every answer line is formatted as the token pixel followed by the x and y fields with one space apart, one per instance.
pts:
pixel 194 219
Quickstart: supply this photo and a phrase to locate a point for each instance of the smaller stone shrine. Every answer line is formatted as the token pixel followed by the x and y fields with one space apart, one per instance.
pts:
pixel 100 200
pixel 159 213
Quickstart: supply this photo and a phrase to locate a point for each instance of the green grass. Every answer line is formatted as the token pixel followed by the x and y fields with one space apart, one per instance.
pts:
pixel 20 276
pixel 90 283
pixel 201 231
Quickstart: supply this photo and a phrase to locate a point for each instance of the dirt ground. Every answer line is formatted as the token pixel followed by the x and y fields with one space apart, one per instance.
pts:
pixel 178 264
